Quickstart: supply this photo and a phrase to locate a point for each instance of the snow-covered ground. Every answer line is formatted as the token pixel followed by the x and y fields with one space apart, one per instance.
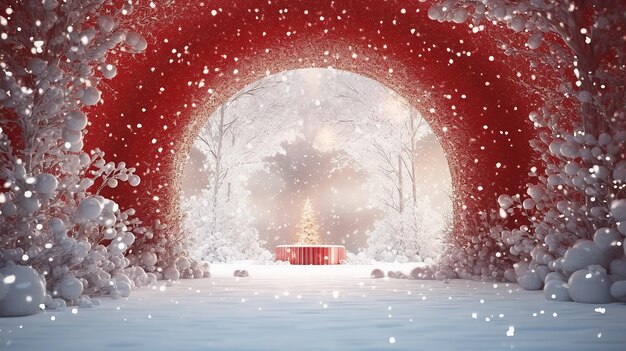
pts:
pixel 322 308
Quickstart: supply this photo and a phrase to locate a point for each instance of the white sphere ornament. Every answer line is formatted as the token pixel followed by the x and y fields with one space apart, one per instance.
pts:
pixel 618 267
pixel 8 209
pixel 136 41
pixel 123 288
pixel 535 40
pixel 90 208
pixel 148 258
pixel 106 23
pixel 71 136
pixel 28 204
pixel 607 238
pixel 70 288
pixel 435 13
pixel 25 292
pixel 75 120
pixel 171 273
pixel 37 65
pixel 618 210
pixel 46 183
pixel 128 238
pixel 182 263
pixel 77 146
pixel 109 234
pixel 530 280
pixel 134 180
pixel 556 290
pixel 121 277
pixel 555 276
pixel 459 15
pixel 590 286
pixel 510 276
pixel 583 254
pixel 109 71
pixel 91 96
pixel 618 289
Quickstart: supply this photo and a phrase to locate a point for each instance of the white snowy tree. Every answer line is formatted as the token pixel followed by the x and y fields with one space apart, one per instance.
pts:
pixel 234 239
pixel 53 57
pixel 580 183
pixel 387 147
pixel 250 126
pixel 308 233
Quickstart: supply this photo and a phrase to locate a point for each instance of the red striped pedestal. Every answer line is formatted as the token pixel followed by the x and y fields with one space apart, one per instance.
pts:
pixel 311 254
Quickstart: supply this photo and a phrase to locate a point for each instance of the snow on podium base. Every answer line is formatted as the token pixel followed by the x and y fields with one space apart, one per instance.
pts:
pixel 284 307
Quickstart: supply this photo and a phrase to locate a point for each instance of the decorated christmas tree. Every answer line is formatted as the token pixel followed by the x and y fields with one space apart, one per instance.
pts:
pixel 307 229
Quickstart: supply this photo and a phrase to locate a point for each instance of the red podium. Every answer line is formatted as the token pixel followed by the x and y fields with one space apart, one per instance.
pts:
pixel 311 254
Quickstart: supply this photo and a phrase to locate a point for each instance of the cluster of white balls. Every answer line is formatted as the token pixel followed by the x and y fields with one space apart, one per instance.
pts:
pixel 592 271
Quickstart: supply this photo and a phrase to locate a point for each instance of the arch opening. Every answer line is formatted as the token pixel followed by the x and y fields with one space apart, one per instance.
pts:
pixel 366 158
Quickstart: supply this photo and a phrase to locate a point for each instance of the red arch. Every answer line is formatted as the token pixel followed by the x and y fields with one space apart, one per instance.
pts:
pixel 262 36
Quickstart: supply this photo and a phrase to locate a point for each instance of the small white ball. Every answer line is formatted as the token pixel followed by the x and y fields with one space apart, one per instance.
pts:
pixel 75 120
pixel 90 208
pixel 182 263
pixel 46 183
pixel 134 180
pixel 556 290
pixel 70 288
pixel 171 273
pixel 618 289
pixel 123 288
pixel 590 286
pixel 149 258
pixel 91 96
pixel 112 183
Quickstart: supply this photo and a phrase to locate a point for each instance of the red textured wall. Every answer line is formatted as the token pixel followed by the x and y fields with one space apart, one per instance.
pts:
pixel 153 89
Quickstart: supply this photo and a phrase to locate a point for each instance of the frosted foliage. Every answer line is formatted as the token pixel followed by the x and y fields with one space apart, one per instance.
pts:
pixel 366 135
pixel 234 238
pixel 52 216
pixel 576 205
pixel 391 238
